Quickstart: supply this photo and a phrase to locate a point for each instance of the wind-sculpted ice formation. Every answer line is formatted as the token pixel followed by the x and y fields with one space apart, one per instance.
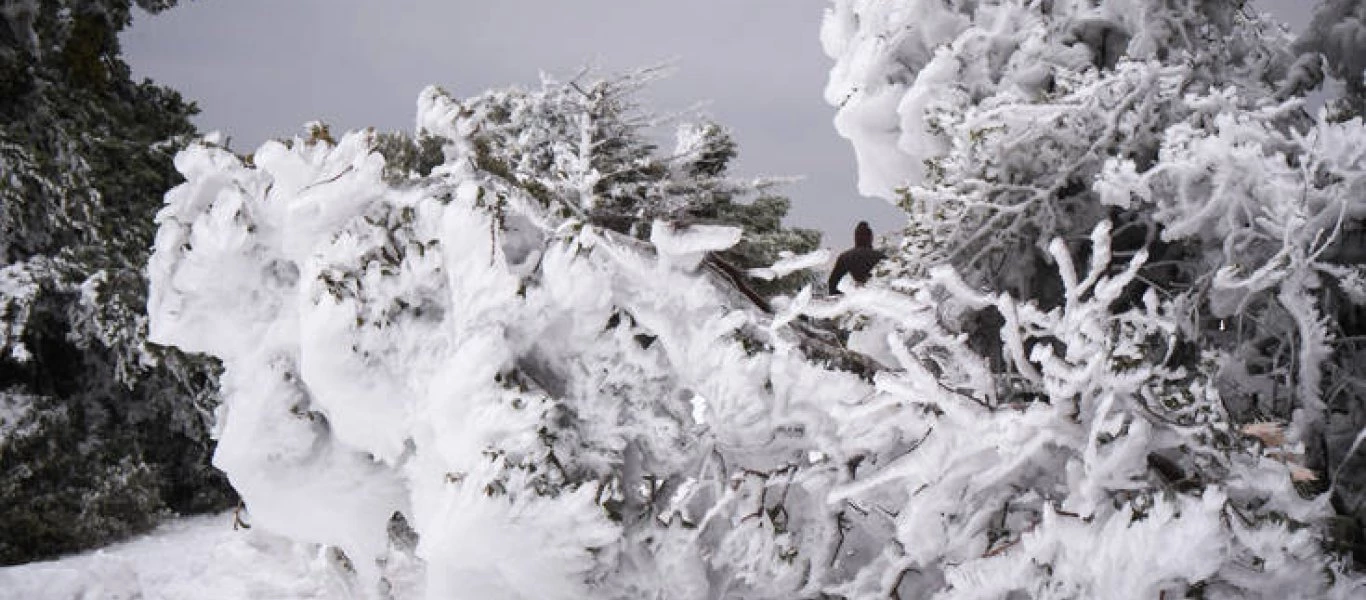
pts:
pixel 558 410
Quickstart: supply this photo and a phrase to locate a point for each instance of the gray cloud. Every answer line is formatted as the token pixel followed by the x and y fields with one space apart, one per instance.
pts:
pixel 261 68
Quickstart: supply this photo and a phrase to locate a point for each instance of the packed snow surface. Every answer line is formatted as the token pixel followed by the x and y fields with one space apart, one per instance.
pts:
pixel 199 558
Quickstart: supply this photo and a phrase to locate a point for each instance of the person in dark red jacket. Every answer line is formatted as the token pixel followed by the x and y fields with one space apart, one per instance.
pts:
pixel 858 261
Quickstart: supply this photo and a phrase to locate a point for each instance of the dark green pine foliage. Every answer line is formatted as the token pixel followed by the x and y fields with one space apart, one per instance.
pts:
pixel 765 236
pixel 101 434
pixel 586 146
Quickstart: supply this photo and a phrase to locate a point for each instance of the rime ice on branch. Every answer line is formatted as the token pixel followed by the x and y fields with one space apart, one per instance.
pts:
pixel 1181 131
pixel 471 329
pixel 449 333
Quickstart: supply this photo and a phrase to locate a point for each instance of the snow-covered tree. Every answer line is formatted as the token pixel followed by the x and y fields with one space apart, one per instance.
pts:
pixel 589 140
pixel 100 433
pixel 509 334
pixel 1010 131
pixel 469 328
pixel 558 409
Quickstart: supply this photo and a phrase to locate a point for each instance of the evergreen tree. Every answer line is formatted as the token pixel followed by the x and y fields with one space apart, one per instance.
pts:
pixel 497 263
pixel 101 434
pixel 1096 369
pixel 1023 127
pixel 486 343
pixel 588 140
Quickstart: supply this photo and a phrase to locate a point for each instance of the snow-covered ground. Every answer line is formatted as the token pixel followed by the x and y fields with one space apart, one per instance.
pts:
pixel 197 557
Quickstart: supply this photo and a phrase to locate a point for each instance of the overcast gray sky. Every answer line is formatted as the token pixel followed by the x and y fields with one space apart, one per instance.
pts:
pixel 261 68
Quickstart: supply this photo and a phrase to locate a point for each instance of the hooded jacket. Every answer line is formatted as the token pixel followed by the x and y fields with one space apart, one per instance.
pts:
pixel 857 261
